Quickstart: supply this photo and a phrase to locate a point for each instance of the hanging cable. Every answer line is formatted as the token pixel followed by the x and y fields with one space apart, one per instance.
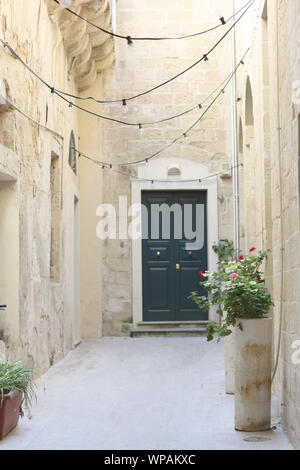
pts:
pixel 279 156
pixel 130 38
pixel 145 160
pixel 38 124
pixel 109 166
pixel 107 118
pixel 186 132
pixel 205 58
pixel 125 100
pixel 123 173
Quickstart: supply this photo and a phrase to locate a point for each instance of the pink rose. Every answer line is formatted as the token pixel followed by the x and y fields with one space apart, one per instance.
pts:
pixel 233 276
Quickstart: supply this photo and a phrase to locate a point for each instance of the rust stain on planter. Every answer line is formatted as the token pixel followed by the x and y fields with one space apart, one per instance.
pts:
pixel 255 355
pixel 256 350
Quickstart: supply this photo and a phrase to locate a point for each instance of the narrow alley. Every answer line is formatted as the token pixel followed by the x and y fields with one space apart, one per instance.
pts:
pixel 146 393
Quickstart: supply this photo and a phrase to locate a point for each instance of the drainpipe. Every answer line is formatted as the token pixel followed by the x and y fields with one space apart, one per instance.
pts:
pixel 277 353
pixel 235 174
pixel 113 9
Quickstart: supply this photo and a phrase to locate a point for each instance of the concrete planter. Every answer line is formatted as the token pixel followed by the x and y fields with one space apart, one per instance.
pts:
pixel 253 375
pixel 2 351
pixel 229 359
pixel 10 411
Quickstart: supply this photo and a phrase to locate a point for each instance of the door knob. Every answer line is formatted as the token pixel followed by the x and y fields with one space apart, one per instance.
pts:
pixel 177 266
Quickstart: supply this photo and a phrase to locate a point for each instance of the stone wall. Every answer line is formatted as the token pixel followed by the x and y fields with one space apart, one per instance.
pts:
pixel 139 68
pixel 271 183
pixel 40 264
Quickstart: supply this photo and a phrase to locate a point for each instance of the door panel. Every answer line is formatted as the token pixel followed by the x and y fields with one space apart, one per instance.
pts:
pixel 170 268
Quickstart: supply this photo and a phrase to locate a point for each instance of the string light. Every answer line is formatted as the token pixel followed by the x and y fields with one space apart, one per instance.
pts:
pixel 124 107
pixel 53 91
pixel 141 130
pixel 204 58
pixel 124 102
pixel 174 141
pixel 221 17
pixel 186 138
pixel 70 105
pixel 130 38
pixel 106 165
pixel 129 41
pixel 152 181
pixel 157 153
pixel 146 160
pixel 65 3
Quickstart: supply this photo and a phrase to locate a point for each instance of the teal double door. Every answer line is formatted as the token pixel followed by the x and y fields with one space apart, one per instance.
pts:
pixel 171 261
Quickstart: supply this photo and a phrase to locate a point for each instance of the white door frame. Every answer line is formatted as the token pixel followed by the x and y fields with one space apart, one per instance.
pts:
pixel 137 186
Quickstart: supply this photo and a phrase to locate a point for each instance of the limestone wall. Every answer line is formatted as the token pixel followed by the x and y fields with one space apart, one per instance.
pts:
pixel 140 68
pixel 39 228
pixel 271 181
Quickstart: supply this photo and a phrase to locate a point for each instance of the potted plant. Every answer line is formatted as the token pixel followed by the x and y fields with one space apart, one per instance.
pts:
pixel 245 299
pixel 17 390
pixel 226 253
pixel 2 344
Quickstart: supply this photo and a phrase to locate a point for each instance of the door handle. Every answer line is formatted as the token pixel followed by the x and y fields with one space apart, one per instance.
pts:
pixel 177 266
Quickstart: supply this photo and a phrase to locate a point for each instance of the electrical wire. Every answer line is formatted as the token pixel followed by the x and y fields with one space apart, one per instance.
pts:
pixel 123 100
pixel 205 58
pixel 277 352
pixel 107 118
pixel 38 124
pixel 145 160
pixel 123 173
pixel 184 134
pixel 130 39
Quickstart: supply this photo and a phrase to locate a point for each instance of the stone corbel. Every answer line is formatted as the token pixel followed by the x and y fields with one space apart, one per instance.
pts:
pixel 90 51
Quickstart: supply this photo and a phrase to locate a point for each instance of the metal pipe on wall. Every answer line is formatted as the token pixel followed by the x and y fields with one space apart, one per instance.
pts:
pixel 235 174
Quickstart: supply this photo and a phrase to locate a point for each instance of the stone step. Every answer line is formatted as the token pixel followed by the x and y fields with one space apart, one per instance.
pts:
pixel 139 332
pixel 173 324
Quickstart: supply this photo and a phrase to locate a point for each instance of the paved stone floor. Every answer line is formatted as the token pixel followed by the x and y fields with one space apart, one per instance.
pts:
pixel 145 393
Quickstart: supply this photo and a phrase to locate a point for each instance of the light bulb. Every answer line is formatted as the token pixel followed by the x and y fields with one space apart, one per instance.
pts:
pixel 141 130
pixel 110 169
pixel 65 3
pixel 238 95
pixel 124 107
pixel 186 138
pixel 70 106
pixel 52 93
pixel 221 16
pixel 129 41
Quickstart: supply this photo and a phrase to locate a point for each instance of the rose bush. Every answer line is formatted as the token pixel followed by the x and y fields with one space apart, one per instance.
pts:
pixel 237 289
